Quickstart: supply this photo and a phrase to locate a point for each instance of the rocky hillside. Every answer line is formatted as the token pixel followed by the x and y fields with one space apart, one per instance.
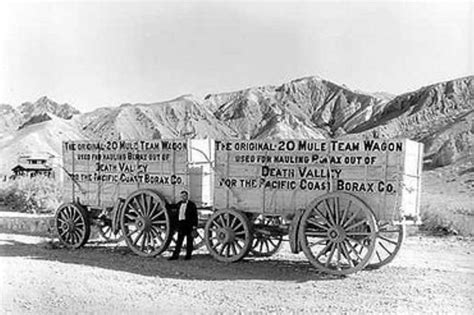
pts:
pixel 9 119
pixel 46 105
pixel 181 117
pixel 308 107
pixel 440 115
pixel 30 113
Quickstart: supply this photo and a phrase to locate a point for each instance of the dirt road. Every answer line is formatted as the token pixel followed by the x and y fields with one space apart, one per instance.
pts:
pixel 430 275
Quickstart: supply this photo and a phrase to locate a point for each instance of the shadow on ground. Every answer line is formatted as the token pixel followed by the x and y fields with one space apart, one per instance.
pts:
pixel 201 267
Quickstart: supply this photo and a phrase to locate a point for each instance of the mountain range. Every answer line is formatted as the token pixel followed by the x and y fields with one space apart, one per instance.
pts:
pixel 439 115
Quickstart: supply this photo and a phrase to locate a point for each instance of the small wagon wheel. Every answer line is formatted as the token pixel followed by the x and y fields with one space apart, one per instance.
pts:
pixel 145 223
pixel 72 225
pixel 264 242
pixel 228 235
pixel 389 241
pixel 107 234
pixel 338 233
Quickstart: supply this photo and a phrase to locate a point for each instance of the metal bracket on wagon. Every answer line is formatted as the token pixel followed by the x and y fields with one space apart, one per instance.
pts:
pixel 295 245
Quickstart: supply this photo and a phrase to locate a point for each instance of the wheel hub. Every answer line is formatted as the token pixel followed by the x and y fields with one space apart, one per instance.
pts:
pixel 225 235
pixel 337 234
pixel 68 226
pixel 143 224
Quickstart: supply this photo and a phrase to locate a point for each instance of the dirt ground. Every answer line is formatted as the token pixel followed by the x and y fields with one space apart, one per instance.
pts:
pixel 430 275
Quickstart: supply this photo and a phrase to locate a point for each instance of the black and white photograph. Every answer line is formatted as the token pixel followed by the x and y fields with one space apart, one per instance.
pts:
pixel 236 157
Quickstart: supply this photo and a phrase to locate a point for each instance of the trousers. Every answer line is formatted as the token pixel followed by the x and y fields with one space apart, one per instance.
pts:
pixel 184 230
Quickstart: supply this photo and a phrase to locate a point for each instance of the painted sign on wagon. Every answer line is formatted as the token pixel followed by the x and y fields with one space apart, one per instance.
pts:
pixel 99 172
pixel 285 175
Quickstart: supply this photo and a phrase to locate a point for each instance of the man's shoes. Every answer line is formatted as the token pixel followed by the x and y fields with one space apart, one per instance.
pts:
pixel 187 258
pixel 173 258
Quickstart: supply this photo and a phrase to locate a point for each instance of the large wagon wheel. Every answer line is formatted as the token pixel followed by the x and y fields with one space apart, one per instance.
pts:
pixel 389 241
pixel 337 233
pixel 72 225
pixel 265 243
pixel 228 235
pixel 145 223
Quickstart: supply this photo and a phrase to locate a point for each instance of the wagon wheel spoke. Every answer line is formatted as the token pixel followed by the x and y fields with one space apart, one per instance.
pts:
pixel 323 251
pixel 331 254
pixel 378 256
pixel 322 216
pixel 356 241
pixel 232 224
pixel 338 247
pixel 385 248
pixel 314 223
pixel 217 224
pixel 347 255
pixel 353 250
pixel 346 209
pixel 129 234
pixel 77 218
pixel 139 236
pixel 359 234
pixel 271 242
pixel 336 210
pixel 157 234
pixel 329 212
pixel 234 249
pixel 61 220
pixel 221 251
pixel 388 240
pixel 267 246
pixel 318 242
pixel 316 233
pixel 221 220
pixel 351 218
pixel 347 228
pixel 67 212
pixel 135 209
pixel 156 215
pixel 239 226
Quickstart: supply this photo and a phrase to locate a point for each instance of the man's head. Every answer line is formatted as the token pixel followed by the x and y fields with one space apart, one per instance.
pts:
pixel 184 195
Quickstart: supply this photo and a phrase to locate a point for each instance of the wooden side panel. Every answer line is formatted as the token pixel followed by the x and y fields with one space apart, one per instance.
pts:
pixel 102 171
pixel 411 190
pixel 283 176
pixel 200 168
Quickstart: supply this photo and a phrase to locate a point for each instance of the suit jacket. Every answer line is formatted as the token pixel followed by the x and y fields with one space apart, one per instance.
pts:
pixel 191 215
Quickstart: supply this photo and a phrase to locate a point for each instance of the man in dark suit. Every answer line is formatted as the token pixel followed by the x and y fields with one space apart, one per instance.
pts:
pixel 187 222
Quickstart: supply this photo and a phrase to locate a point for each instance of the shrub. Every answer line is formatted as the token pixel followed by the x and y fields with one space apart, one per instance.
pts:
pixel 438 221
pixel 38 194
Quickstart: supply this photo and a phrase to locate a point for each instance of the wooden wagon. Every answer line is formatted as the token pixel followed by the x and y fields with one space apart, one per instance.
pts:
pixel 344 203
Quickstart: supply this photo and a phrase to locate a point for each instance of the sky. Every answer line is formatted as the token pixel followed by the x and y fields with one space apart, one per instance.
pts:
pixel 95 54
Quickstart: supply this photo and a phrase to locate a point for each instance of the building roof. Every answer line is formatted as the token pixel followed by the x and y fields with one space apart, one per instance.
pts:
pixel 32 167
